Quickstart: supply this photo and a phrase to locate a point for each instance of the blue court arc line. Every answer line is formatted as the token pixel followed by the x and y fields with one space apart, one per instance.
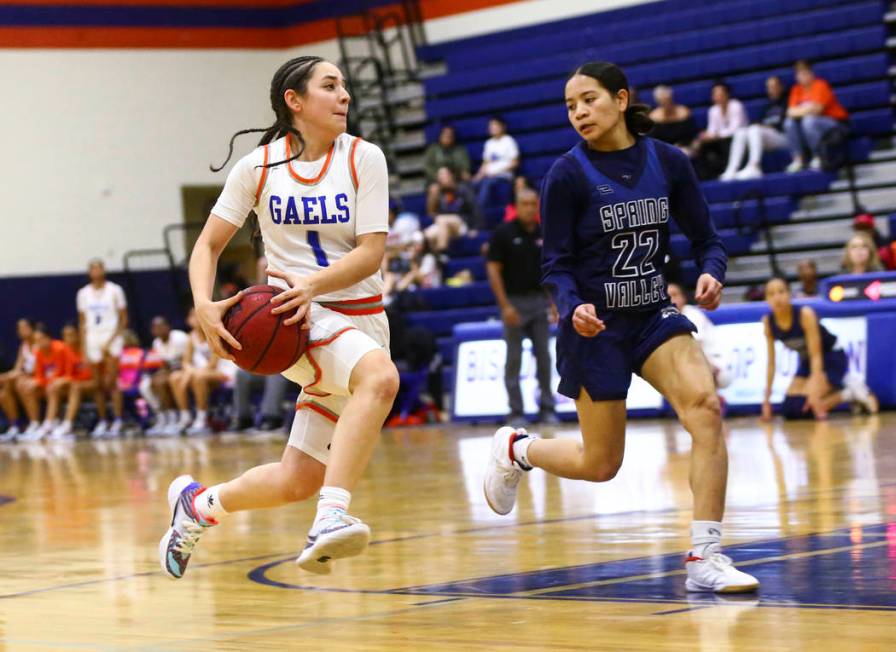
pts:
pixel 6 499
pixel 822 570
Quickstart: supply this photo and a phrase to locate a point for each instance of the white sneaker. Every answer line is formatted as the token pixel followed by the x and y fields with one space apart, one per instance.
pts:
pixel 175 429
pixel 749 172
pixel 187 526
pixel 100 430
pixel 815 163
pixel 115 429
pixel 717 574
pixel 337 536
pixel 158 428
pixel 855 390
pixel 728 175
pixel 62 431
pixel 502 475
pixel 10 435
pixel 198 428
pixel 795 165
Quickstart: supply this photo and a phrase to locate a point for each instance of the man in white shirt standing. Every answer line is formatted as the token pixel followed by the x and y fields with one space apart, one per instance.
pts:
pixel 500 159
pixel 102 317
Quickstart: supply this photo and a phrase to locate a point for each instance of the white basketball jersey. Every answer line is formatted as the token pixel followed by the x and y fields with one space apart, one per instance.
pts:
pixel 101 307
pixel 311 213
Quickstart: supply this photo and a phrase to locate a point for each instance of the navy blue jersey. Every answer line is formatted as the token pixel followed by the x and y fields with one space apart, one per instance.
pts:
pixel 606 226
pixel 794 338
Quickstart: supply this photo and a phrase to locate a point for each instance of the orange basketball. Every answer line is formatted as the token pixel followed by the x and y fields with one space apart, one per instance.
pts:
pixel 269 346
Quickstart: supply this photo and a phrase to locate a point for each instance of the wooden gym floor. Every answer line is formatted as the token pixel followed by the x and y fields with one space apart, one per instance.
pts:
pixel 811 512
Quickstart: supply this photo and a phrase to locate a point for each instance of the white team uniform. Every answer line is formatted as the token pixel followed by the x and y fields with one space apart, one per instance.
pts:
pixel 100 308
pixel 311 214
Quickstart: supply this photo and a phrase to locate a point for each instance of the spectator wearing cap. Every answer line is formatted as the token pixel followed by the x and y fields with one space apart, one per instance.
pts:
pixel 812 111
pixel 864 223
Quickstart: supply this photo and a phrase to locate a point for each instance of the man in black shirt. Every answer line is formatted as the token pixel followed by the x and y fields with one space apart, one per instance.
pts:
pixel 514 272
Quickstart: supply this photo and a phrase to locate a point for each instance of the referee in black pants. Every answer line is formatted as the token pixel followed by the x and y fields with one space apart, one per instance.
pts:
pixel 514 272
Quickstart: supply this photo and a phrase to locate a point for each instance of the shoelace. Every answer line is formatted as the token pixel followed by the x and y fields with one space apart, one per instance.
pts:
pixel 189 537
pixel 336 518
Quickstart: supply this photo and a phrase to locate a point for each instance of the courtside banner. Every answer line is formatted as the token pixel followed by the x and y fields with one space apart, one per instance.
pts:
pixel 479 363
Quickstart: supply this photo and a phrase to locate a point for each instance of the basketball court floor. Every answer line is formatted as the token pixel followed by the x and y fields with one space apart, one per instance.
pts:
pixel 811 512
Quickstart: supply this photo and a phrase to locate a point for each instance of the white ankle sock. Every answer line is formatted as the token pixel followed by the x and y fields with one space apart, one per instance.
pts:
pixel 208 504
pixel 332 498
pixel 201 416
pixel 706 538
pixel 185 416
pixel 521 452
pixel 171 416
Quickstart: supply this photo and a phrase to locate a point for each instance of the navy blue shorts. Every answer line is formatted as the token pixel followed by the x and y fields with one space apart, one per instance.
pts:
pixel 836 365
pixel 604 364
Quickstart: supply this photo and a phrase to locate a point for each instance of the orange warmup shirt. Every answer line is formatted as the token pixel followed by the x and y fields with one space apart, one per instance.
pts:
pixel 49 365
pixel 820 92
pixel 75 366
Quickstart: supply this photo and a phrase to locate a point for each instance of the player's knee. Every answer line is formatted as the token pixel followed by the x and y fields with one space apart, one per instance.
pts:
pixel 381 380
pixel 704 406
pixel 603 472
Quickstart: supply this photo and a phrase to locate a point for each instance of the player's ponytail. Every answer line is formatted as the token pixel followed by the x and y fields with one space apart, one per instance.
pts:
pixel 611 77
pixel 294 74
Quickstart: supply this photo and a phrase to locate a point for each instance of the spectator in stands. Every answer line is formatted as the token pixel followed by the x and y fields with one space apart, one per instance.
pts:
pixel 130 362
pixel 453 211
pixel 76 375
pixel 514 273
pixel 271 409
pixel 808 273
pixel 519 183
pixel 860 255
pixel 765 135
pixel 500 159
pixel 404 226
pixel 201 372
pixel 167 354
pixel 813 111
pixel 726 116
pixel 49 364
pixel 672 123
pixel 705 334
pixel 446 153
pixel 864 223
pixel 10 380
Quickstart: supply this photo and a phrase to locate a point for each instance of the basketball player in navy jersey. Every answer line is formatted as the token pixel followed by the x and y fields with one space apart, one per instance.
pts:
pixel 606 207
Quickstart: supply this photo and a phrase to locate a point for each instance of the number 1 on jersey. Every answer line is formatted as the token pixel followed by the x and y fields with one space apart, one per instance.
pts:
pixel 319 253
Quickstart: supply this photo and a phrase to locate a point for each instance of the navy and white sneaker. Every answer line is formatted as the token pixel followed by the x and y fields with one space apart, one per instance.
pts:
pixel 336 536
pixel 187 526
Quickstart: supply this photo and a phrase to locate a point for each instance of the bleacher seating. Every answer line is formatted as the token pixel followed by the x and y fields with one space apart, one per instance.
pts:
pixel 520 74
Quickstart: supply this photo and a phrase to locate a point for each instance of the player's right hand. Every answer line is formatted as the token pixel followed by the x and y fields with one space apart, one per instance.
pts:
pixel 585 321
pixel 510 316
pixel 209 314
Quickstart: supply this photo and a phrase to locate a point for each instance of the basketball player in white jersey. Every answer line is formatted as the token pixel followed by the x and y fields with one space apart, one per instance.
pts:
pixel 321 197
pixel 102 318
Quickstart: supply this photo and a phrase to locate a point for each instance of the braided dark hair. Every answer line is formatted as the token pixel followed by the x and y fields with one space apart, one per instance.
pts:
pixel 294 74
pixel 611 77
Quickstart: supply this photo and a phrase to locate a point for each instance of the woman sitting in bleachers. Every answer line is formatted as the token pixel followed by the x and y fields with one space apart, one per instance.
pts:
pixel 726 116
pixel 860 255
pixel 500 160
pixel 446 153
pixel 762 136
pixel 453 211
pixel 813 111
pixel 672 123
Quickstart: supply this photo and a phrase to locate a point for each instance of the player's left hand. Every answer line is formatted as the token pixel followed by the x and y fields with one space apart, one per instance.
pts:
pixel 709 292
pixel 297 297
pixel 816 388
